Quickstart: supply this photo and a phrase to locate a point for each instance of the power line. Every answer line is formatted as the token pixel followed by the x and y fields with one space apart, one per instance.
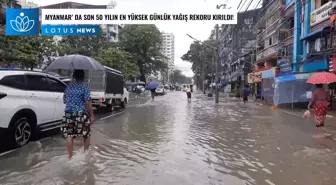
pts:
pixel 239 4
pixel 249 5
pixel 258 4
pixel 242 5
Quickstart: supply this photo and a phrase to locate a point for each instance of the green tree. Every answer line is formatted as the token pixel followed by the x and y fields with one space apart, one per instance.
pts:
pixel 120 60
pixel 144 43
pixel 178 77
pixel 201 57
pixel 27 52
pixel 88 46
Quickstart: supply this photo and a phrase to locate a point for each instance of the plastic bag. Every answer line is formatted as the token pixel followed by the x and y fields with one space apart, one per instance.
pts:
pixel 306 115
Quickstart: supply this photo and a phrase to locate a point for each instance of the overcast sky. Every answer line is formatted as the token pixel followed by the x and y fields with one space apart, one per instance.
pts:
pixel 182 42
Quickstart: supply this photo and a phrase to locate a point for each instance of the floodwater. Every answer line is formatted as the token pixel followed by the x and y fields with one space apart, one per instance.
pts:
pixel 170 141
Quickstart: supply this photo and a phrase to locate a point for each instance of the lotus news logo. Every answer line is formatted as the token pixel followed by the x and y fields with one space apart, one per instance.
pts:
pixel 22 22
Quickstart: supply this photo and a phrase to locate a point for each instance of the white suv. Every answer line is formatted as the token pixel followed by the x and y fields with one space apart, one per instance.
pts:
pixel 29 102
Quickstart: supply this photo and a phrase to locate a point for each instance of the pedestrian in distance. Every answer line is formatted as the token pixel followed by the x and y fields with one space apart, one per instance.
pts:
pixel 153 91
pixel 78 112
pixel 137 91
pixel 319 105
pixel 188 91
pixel 246 93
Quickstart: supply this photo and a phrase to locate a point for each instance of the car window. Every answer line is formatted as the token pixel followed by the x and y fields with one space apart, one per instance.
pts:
pixel 56 86
pixel 14 81
pixel 37 83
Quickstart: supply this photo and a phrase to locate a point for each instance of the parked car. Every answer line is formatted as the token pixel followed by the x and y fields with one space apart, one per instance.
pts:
pixel 30 102
pixel 160 90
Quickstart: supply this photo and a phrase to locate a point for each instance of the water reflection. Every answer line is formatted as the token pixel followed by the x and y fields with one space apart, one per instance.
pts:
pixel 171 141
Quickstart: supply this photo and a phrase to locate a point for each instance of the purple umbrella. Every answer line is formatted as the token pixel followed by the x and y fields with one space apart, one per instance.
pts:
pixel 152 85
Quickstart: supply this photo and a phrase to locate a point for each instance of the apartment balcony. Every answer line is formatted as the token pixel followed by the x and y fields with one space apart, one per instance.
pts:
pixel 286 36
pixel 269 31
pixel 290 9
pixel 268 52
pixel 274 7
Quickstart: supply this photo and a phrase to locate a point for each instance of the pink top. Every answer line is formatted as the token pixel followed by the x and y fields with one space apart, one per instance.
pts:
pixel 320 95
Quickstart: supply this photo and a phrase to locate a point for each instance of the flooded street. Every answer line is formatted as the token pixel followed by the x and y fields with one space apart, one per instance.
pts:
pixel 170 141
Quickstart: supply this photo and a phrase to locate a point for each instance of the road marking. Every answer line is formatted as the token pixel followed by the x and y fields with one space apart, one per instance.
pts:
pixel 111 115
pixel 10 151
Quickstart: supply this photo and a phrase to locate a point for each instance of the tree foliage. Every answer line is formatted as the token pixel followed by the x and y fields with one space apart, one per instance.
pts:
pixel 27 51
pixel 88 46
pixel 118 59
pixel 137 53
pixel 201 57
pixel 178 77
pixel 144 43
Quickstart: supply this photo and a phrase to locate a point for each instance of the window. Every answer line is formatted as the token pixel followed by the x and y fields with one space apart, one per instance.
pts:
pixel 37 83
pixel 14 81
pixel 324 2
pixel 270 41
pixel 56 86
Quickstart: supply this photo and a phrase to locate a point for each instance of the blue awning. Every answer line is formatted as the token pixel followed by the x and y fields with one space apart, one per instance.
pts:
pixel 293 77
pixel 316 33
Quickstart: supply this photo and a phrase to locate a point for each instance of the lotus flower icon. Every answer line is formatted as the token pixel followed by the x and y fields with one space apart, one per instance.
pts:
pixel 22 23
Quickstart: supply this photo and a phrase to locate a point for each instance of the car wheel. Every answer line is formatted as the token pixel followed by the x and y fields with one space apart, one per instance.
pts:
pixel 110 107
pixel 124 104
pixel 22 132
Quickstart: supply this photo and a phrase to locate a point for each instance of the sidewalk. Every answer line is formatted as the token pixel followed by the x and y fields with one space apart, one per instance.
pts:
pixel 330 125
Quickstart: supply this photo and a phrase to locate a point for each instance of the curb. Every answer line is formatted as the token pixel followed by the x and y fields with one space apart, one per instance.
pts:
pixel 297 114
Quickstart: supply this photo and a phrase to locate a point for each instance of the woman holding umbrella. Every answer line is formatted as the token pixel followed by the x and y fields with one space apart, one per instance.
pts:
pixel 152 87
pixel 319 104
pixel 320 98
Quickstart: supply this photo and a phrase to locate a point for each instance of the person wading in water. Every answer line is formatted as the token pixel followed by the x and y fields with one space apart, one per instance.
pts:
pixel 246 93
pixel 78 112
pixel 319 104
pixel 188 91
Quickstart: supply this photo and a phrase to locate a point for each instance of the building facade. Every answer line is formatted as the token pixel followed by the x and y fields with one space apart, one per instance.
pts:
pixel 27 4
pixel 237 49
pixel 168 50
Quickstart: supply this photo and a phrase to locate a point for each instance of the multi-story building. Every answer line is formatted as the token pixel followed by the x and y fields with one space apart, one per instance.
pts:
pixel 237 43
pixel 268 39
pixel 315 32
pixel 27 4
pixel 168 50
pixel 111 30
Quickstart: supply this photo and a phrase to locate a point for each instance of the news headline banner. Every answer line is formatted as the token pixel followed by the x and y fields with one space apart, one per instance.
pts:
pixel 113 16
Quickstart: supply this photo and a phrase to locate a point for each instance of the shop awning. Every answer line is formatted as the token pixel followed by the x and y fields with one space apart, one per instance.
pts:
pixel 293 77
pixel 316 33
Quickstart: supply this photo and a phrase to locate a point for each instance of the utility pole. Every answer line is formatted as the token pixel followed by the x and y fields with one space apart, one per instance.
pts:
pixel 202 68
pixel 217 62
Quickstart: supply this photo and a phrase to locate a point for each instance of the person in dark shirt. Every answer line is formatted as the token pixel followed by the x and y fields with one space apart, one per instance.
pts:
pixel 246 93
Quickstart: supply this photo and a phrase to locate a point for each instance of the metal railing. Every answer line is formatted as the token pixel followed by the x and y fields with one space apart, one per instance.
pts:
pixel 268 51
pixel 284 35
pixel 270 9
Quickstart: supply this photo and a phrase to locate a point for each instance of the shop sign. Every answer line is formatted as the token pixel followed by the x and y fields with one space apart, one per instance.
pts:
pixel 269 73
pixel 320 14
pixel 256 77
pixel 332 63
pixel 249 78
pixel 284 65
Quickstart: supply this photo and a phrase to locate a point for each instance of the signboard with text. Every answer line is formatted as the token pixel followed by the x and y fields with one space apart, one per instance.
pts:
pixel 320 14
pixel 249 78
pixel 284 65
pixel 256 77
